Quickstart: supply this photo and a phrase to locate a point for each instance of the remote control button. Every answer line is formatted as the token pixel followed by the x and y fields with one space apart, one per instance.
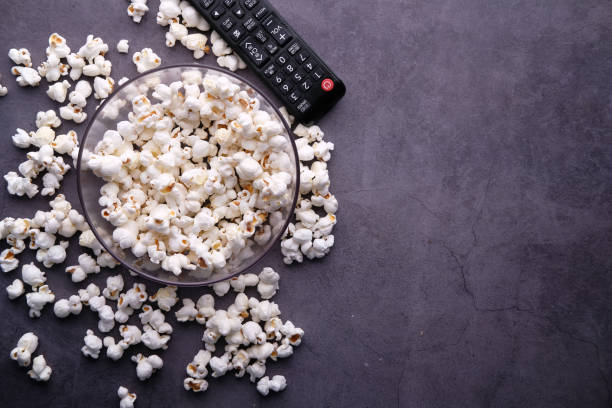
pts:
pixel 294 48
pixel 206 3
pixel 302 57
pixel 271 47
pixel 261 36
pixel 309 66
pixel 286 87
pixel 306 85
pixel 298 76
pixel 294 97
pixel 250 3
pixel 318 74
pixel 290 68
pixel 238 12
pixel 270 70
pixel 282 59
pixel 278 78
pixel 237 33
pixel 229 3
pixel 303 106
pixel 217 13
pixel 250 24
pixel 327 85
pixel 228 23
pixel 261 13
pixel 255 52
pixel 280 33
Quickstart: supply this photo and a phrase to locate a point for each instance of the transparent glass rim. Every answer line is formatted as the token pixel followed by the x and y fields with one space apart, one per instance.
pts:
pixel 141 272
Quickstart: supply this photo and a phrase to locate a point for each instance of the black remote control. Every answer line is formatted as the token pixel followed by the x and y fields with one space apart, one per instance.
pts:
pixel 267 44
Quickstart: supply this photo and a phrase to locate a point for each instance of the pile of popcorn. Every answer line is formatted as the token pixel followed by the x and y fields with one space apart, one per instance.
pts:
pixel 209 187
pixel 196 177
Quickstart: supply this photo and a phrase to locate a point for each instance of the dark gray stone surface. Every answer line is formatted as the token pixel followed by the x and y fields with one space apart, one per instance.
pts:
pixel 473 167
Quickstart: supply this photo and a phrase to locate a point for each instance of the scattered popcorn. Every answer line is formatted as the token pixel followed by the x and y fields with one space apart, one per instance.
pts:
pixel 146 366
pixel 137 9
pixel 93 345
pixel 114 286
pixel 20 56
pixel 45 121
pixel 65 307
pixel 107 319
pixel 155 319
pixel 54 255
pixel 176 32
pixel 87 265
pixel 268 283
pixel 219 46
pixel 197 367
pixel 195 384
pixel 114 351
pixel 26 76
pixel 52 68
pixel 32 275
pixel 100 66
pixel 195 43
pixel 38 299
pixel 40 370
pixel 127 398
pixel 57 46
pixel 131 335
pixel 277 383
pixel 241 282
pixel 58 91
pixel 187 313
pixel 123 46
pixel 8 261
pixel 103 87
pixel 146 60
pixel 165 297
pixel 221 288
pixel 153 340
pixel 3 89
pixel 26 345
pixel 92 48
pixel 15 289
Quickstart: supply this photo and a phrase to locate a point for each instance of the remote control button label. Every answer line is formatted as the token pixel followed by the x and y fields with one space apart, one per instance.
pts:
pixel 271 47
pixel 229 3
pixel 294 97
pixel 261 36
pixel 255 52
pixel 238 12
pixel 261 13
pixel 250 3
pixel 216 13
pixel 309 66
pixel 303 106
pixel 294 48
pixel 327 85
pixel 206 3
pixel 270 70
pixel 237 34
pixel 280 33
pixel 250 24
pixel 228 23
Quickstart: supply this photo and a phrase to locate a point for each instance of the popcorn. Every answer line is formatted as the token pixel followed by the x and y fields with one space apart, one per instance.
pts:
pixel 52 68
pixel 114 351
pixel 92 48
pixel 57 92
pixel 131 335
pixel 145 60
pixel 194 42
pixel 40 370
pixel 87 239
pixel 106 260
pixel 65 307
pixel 54 255
pixel 82 91
pixel 195 384
pixel 146 366
pixel 187 313
pixel 253 333
pixel 256 370
pixel 26 345
pixel 114 286
pixel 127 398
pixel 268 283
pixel 153 340
pixel 123 46
pixel 277 383
pixel 38 299
pixel 21 139
pixel 241 282
pixel 3 89
pixel 32 275
pixel 20 186
pixel 223 323
pixel 197 367
pixel 294 334
pixel 206 308
pixel 177 32
pixel 165 297
pixel 103 87
pixel 20 56
pixel 93 345
pixel 220 365
pixel 76 63
pixel 26 76
pixel 15 289
pixel 137 9
pixel 90 292
pixel 219 46
pixel 191 18
pixel 231 62
pixel 155 319
pixel 57 46
pixel 100 66
pixel 107 319
pixel 73 112
pixel 263 311
pixel 221 288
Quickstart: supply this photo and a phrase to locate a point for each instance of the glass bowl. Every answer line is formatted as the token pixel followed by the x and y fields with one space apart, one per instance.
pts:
pixel 115 109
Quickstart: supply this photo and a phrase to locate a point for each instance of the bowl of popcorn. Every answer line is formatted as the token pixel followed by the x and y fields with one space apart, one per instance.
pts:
pixel 188 175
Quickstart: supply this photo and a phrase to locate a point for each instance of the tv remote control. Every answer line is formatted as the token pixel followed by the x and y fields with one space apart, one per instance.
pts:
pixel 269 46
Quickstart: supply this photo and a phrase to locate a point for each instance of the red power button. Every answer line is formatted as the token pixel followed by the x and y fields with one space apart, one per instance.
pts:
pixel 327 85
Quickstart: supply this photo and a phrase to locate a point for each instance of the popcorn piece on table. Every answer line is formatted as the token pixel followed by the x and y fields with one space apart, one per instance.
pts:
pixel 38 299
pixel 26 76
pixel 123 46
pixel 26 345
pixel 126 397
pixel 20 56
pixel 93 345
pixel 40 369
pixel 146 366
pixel 15 289
pixel 145 60
pixel 137 9
pixel 277 383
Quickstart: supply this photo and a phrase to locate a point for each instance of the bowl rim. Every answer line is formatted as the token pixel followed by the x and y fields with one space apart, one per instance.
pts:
pixel 272 243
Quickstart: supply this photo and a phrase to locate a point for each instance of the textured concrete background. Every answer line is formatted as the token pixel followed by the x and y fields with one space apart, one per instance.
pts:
pixel 473 166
